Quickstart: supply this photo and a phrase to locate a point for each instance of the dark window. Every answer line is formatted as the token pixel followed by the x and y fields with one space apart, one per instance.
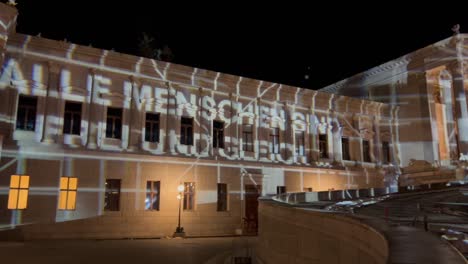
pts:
pixel 323 146
pixel 153 189
pixel 112 195
pixel 385 152
pixel 218 134
pixel 222 197
pixel 280 189
pixel 299 140
pixel 186 131
pixel 114 123
pixel 345 148
pixel 26 116
pixel 152 127
pixel 72 118
pixel 247 138
pixel 366 151
pixel 189 195
pixel 274 140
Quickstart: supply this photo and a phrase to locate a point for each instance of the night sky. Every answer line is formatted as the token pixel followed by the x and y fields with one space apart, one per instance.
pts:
pixel 274 43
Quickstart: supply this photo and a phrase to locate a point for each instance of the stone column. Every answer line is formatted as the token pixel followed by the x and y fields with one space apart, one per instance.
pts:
pixel 91 141
pixel 49 126
pixel 460 107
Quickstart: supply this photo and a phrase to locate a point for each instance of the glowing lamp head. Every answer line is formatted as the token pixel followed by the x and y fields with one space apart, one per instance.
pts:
pixel 180 188
pixel 179 196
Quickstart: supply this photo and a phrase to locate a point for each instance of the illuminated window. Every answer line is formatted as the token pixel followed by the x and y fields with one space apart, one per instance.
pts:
pixel 19 189
pixel 280 189
pixel 189 195
pixel 366 151
pixel 247 138
pixel 274 140
pixel 345 148
pixel 72 118
pixel 323 146
pixel 26 116
pixel 222 197
pixel 114 123
pixel 186 131
pixel 152 195
pixel 152 127
pixel 112 195
pixel 299 141
pixel 218 134
pixel 385 152
pixel 67 199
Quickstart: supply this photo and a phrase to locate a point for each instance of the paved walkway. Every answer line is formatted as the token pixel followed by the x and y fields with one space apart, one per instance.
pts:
pixel 186 251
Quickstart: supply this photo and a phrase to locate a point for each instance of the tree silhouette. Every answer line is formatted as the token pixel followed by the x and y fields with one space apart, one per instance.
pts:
pixel 150 48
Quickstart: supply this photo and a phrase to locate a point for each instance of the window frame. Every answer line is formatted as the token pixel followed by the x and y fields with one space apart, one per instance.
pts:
pixel 366 157
pixel 16 192
pixel 247 145
pixel 386 158
pixel 152 193
pixel 66 192
pixel 189 196
pixel 111 123
pixel 323 146
pixel 28 110
pixel 72 126
pixel 345 154
pixel 218 134
pixel 275 140
pixel 186 131
pixel 154 134
pixel 299 149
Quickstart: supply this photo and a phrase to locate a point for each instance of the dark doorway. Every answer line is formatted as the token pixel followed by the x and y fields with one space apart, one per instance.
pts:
pixel 252 192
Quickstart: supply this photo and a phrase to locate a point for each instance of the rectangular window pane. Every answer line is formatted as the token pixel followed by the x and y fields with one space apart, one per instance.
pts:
pixel 345 148
pixel 14 181
pixel 13 199
pixel 323 146
pixel 186 131
pixel 71 202
pixel 26 114
pixel 73 183
pixel 152 195
pixel 385 152
pixel 24 181
pixel 189 195
pixel 63 200
pixel 366 151
pixel 114 123
pixel 247 136
pixel 23 199
pixel 299 138
pixel 152 127
pixel 72 118
pixel 218 134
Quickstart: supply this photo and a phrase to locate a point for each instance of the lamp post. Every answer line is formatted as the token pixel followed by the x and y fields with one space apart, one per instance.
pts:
pixel 180 230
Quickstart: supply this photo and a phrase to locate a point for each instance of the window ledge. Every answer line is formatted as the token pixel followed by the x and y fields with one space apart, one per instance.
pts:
pixel 24 135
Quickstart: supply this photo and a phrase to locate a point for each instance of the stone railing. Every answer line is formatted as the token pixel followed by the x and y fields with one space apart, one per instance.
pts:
pixel 293 235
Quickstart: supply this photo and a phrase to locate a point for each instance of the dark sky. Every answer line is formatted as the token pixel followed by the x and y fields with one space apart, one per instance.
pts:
pixel 269 42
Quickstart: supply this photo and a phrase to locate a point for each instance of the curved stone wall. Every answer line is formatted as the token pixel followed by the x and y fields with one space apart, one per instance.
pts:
pixel 293 235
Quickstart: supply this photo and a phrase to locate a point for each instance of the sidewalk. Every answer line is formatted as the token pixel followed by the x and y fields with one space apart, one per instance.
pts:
pixel 186 251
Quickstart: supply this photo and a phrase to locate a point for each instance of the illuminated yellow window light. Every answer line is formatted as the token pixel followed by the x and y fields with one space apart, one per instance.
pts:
pixel 67 198
pixel 19 189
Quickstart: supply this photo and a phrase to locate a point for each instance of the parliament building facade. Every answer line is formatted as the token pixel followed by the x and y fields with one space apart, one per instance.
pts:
pixel 94 143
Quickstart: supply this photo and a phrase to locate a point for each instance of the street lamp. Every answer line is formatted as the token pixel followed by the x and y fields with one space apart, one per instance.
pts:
pixel 180 230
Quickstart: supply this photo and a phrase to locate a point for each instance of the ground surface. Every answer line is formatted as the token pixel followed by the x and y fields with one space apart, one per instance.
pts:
pixel 187 251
